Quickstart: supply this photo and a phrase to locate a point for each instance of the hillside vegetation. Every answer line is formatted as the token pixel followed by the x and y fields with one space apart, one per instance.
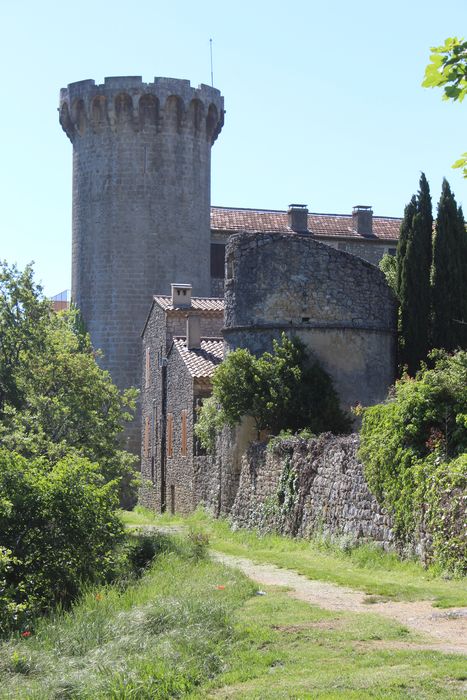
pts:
pixel 196 629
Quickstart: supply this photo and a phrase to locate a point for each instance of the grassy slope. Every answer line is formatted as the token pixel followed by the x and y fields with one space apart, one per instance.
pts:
pixel 364 568
pixel 159 638
pixel 195 629
pixel 289 649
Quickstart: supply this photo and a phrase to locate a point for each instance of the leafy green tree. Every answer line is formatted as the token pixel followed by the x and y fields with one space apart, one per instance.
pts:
pixel 23 316
pixel 414 279
pixel 60 459
pixel 280 390
pixel 70 404
pixel 388 265
pixel 234 385
pixel 404 235
pixel 300 393
pixel 448 69
pixel 56 399
pixel 449 274
pixel 462 321
pixel 210 420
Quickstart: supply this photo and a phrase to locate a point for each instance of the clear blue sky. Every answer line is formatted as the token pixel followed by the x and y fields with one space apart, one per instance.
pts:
pixel 324 103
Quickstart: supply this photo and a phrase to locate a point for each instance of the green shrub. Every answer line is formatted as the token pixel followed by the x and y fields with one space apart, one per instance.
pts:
pixel 12 613
pixel 199 544
pixel 444 491
pixel 59 531
pixel 140 551
pixel 282 390
pixel 414 451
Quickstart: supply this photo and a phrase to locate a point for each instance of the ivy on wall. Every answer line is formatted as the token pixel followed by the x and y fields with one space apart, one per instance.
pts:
pixel 414 448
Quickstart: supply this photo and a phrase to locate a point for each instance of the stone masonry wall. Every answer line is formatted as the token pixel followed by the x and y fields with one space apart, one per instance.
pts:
pixel 300 487
pixel 179 475
pixel 217 287
pixel 141 204
pixel 206 483
pixel 372 252
pixel 339 305
pixel 217 477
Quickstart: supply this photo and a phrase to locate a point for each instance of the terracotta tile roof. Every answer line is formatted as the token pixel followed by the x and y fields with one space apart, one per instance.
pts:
pixel 197 303
pixel 336 225
pixel 202 362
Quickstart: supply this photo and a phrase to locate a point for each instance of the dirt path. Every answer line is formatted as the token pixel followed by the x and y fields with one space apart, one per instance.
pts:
pixel 447 629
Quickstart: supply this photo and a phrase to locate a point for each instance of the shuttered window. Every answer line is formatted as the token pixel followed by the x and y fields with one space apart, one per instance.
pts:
pixel 170 435
pixel 146 437
pixel 183 449
pixel 148 369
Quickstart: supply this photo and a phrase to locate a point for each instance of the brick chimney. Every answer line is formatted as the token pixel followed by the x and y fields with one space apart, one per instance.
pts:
pixel 362 220
pixel 297 216
pixel 193 332
pixel 181 295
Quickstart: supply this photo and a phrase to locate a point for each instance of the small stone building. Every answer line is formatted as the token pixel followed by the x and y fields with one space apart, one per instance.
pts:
pixel 181 348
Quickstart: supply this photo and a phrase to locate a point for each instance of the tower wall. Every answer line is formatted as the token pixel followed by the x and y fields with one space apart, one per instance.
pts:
pixel 338 305
pixel 141 202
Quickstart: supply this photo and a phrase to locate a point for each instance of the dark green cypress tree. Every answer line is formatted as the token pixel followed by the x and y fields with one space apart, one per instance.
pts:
pixel 448 273
pixel 462 321
pixel 414 280
pixel 404 233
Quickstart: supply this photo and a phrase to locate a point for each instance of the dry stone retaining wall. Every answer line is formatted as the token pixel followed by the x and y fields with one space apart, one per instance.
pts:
pixel 217 476
pixel 299 487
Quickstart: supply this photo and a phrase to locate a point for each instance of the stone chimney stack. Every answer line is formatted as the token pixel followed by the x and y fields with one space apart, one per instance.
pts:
pixel 193 332
pixel 297 215
pixel 181 295
pixel 362 220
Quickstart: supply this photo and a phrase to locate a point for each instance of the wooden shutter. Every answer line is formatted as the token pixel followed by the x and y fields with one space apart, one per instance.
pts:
pixel 148 369
pixel 183 450
pixel 146 437
pixel 170 435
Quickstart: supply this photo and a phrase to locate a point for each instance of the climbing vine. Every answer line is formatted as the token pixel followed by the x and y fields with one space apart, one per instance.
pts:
pixel 287 490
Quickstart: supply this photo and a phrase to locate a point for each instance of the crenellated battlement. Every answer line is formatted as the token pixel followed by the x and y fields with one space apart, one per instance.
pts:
pixel 167 104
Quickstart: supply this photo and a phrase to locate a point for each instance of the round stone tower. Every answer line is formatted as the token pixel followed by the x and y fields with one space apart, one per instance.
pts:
pixel 141 202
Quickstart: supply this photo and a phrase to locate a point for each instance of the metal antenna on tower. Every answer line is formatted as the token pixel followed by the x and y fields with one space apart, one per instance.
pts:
pixel 212 74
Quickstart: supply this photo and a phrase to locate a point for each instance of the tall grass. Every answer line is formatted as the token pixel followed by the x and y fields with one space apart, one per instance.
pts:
pixel 193 628
pixel 157 638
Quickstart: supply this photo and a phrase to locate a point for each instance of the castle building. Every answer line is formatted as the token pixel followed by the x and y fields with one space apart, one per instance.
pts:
pixel 339 305
pixel 142 216
pixel 360 233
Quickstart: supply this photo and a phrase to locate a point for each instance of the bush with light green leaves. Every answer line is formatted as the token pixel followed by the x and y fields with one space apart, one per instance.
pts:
pixel 285 389
pixel 414 448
